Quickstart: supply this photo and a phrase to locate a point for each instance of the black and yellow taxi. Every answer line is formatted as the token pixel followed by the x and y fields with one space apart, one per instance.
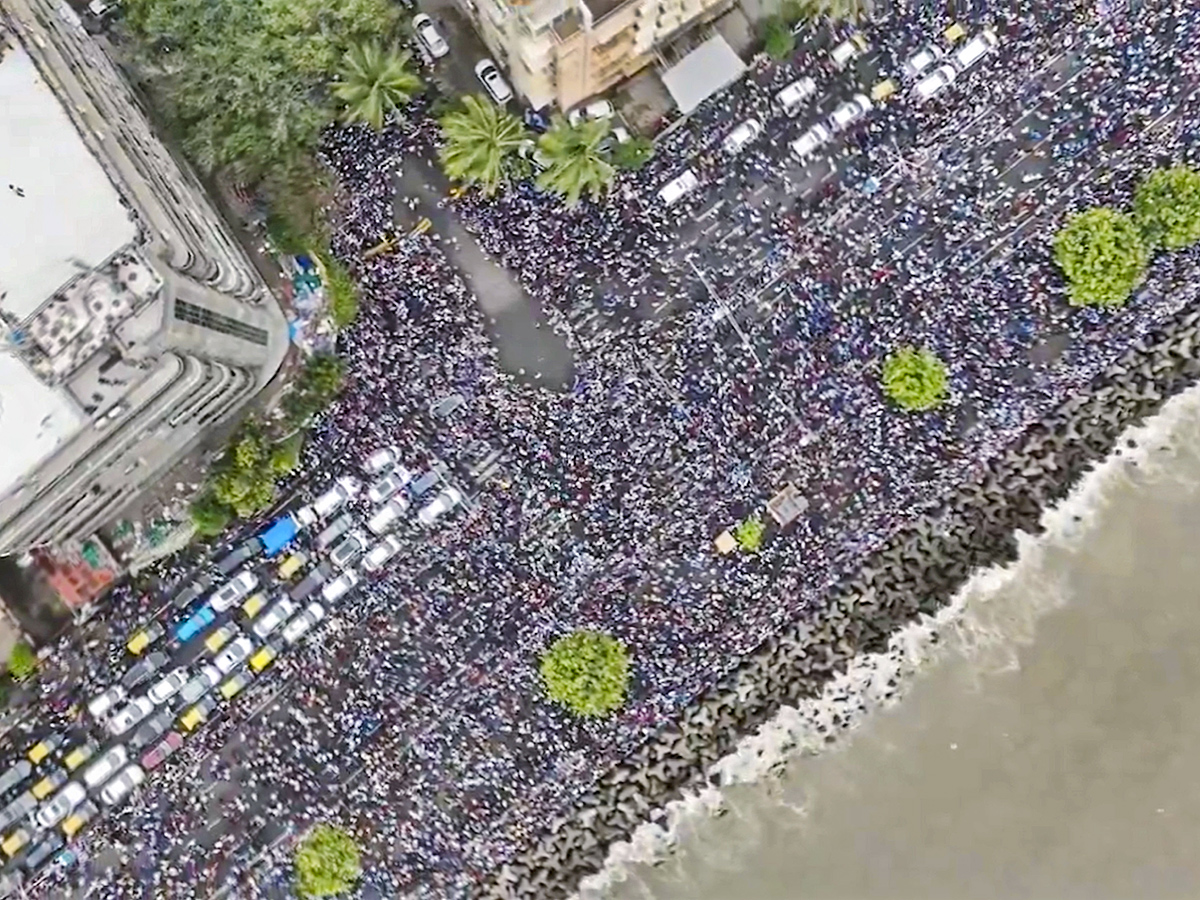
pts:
pixel 43 748
pixel 77 756
pixel 141 639
pixel 50 783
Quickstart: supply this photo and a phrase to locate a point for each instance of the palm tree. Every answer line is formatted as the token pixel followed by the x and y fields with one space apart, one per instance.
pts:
pixel 577 160
pixel 480 138
pixel 375 83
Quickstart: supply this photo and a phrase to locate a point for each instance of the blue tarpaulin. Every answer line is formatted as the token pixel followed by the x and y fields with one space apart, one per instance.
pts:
pixel 278 536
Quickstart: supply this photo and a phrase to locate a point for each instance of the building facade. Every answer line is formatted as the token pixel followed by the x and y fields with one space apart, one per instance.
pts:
pixel 562 52
pixel 133 321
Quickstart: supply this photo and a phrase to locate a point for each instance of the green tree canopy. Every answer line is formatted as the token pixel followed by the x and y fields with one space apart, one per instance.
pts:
pixel 1166 208
pixel 577 163
pixel 778 40
pixel 22 662
pixel 915 380
pixel 209 515
pixel 246 80
pixel 375 84
pixel 342 292
pixel 749 533
pixel 479 140
pixel 587 672
pixel 632 154
pixel 837 10
pixel 1103 256
pixel 328 862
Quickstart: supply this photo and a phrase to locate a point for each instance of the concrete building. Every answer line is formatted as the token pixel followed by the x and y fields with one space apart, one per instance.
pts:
pixel 130 319
pixel 561 52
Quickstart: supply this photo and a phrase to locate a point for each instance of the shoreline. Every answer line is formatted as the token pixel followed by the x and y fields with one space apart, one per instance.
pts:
pixel 917 572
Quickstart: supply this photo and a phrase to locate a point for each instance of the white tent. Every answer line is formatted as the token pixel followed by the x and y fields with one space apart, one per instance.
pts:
pixel 711 66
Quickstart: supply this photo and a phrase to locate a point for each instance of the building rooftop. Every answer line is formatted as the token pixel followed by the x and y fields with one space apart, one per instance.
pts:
pixel 60 215
pixel 34 419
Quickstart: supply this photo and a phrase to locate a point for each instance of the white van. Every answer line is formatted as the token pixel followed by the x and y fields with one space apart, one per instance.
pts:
pixel 933 83
pixel 809 142
pixel 235 589
pixel 741 137
pixel 388 515
pixel 339 586
pixel 975 49
pixel 849 49
pixel 792 97
pixel 849 112
pixel 921 60
pixel 676 188
pixel 381 553
pixel 333 499
pixel 443 502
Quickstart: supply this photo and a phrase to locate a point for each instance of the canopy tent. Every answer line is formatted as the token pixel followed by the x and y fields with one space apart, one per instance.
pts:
pixel 278 536
pixel 711 66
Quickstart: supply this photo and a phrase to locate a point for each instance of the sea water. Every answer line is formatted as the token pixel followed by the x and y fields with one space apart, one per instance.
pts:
pixel 1040 738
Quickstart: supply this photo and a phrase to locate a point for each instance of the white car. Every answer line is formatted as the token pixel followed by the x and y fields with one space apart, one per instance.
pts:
pixel 105 767
pixel 303 623
pixel 339 586
pixel 273 618
pixel 121 786
pixel 234 590
pixel 493 82
pixel 921 60
pixel 849 112
pixel 233 655
pixel 382 459
pixel 598 109
pixel 341 492
pixel 388 516
pixel 792 97
pixel 442 503
pixel 106 702
pixel 742 136
pixel 935 82
pixel 676 188
pixel 975 49
pixel 346 554
pixel 389 485
pixel 812 140
pixel 431 39
pixel 130 716
pixel 61 806
pixel 168 686
pixel 381 553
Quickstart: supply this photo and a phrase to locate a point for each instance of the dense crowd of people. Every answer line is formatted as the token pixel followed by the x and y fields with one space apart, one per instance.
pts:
pixel 416 719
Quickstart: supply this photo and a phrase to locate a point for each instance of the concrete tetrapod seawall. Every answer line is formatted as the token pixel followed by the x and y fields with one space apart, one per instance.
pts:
pixel 916 572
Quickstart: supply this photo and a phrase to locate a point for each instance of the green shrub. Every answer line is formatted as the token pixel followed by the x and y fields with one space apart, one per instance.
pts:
pixel 22 661
pixel 328 862
pixel 1166 208
pixel 1103 255
pixel 915 380
pixel 587 672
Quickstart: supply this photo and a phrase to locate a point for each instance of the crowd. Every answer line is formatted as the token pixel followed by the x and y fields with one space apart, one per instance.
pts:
pixel 415 719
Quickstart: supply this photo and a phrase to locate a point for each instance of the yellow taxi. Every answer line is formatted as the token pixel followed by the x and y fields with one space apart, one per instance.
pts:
pixel 232 686
pixel 14 842
pixel 74 823
pixel 291 565
pixel 44 748
pixel 198 714
pixel 883 90
pixel 220 638
pixel 49 784
pixel 78 756
pixel 254 605
pixel 143 638
pixel 954 34
pixel 264 657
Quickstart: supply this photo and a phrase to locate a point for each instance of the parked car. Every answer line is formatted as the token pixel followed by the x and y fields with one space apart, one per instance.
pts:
pixel 388 515
pixel 43 850
pixel 143 669
pixel 265 656
pixel 61 806
pixel 200 685
pixel 921 60
pixel 389 485
pixel 742 137
pixel 338 495
pixel 347 553
pixel 337 588
pixel 232 561
pixel 254 605
pixel 105 767
pixel 99 707
pixel 49 784
pixel 123 785
pixel 442 503
pixel 303 623
pixel 194 624
pixel 975 49
pixel 16 842
pixel 334 530
pixel 155 756
pixel 849 49
pixel 382 459
pixel 293 564
pixel 17 811
pixel 168 686
pixel 77 756
pixel 144 637
pixel 233 655
pixel 429 36
pixel 16 773
pixel 220 637
pixel 198 714
pixel 935 82
pixel 151 730
pixel 192 592
pixel 849 112
pixel 75 822
pixel 493 82
pixel 130 715
pixel 674 190
pixel 378 555
pixel 423 483
pixel 597 109
pixel 273 618
pixel 45 747
pixel 792 97
pixel 312 582
pixel 233 685
pixel 234 590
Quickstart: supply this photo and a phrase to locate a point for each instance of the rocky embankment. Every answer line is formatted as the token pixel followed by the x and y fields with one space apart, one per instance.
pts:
pixel 917 572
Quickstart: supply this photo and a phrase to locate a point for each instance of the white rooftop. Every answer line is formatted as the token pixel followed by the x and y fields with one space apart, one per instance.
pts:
pixel 34 420
pixel 59 214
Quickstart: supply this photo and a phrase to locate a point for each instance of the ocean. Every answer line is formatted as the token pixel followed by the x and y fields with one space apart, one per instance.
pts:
pixel 1044 743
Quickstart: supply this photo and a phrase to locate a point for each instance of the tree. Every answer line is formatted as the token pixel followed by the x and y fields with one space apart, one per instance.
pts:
pixel 632 154
pixel 480 138
pixel 375 84
pixel 1166 208
pixel 576 160
pixel 587 672
pixel 837 10
pixel 749 534
pixel 22 662
pixel 778 40
pixel 342 292
pixel 209 515
pixel 328 862
pixel 1103 256
pixel 323 374
pixel 285 456
pixel 915 380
